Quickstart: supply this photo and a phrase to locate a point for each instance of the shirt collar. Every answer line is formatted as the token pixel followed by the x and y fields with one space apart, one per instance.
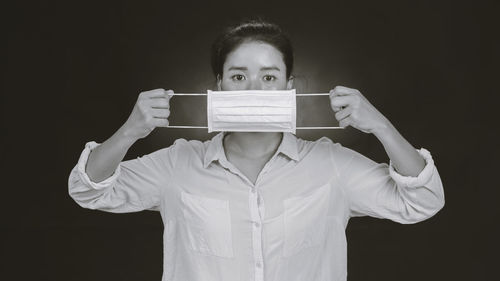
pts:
pixel 289 147
pixel 215 149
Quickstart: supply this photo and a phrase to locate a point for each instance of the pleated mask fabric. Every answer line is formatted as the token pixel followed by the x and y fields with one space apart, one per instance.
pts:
pixel 251 111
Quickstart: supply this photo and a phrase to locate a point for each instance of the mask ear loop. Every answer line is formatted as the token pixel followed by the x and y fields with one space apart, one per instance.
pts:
pixel 298 128
pixel 187 127
pixel 316 128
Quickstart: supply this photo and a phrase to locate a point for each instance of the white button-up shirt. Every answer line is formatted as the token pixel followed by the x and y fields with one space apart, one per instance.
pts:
pixel 289 225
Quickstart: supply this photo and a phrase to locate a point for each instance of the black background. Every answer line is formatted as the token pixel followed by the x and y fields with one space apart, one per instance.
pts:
pixel 72 73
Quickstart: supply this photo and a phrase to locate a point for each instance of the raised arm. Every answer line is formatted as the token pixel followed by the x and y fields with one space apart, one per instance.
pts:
pixel 353 109
pixel 150 111
pixel 409 189
pixel 101 180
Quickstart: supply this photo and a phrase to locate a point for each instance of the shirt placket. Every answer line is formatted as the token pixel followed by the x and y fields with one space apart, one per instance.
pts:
pixel 257 211
pixel 254 202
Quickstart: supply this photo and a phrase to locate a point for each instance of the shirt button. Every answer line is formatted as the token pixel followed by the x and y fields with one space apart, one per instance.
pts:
pixel 258 264
pixel 257 224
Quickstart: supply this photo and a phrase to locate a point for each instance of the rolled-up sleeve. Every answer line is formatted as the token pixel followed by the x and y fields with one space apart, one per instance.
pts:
pixel 378 190
pixel 134 186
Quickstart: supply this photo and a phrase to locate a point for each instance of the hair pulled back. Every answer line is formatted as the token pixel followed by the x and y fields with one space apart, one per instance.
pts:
pixel 250 30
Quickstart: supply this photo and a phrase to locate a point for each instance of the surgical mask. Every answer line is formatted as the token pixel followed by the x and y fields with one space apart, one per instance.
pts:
pixel 252 111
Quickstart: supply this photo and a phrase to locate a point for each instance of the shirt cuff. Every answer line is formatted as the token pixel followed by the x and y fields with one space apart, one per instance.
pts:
pixel 82 163
pixel 422 179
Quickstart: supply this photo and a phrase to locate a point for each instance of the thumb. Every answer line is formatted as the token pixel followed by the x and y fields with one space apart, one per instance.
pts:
pixel 169 93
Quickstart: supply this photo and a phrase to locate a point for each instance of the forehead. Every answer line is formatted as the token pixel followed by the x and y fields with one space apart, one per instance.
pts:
pixel 254 53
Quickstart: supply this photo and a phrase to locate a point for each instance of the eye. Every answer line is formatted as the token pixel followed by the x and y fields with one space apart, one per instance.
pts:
pixel 238 77
pixel 269 78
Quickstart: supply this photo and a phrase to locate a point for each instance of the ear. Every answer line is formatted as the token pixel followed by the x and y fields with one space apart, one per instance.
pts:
pixel 219 82
pixel 289 83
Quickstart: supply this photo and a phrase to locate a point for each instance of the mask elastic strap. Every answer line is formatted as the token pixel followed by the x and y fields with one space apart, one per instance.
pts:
pixel 316 128
pixel 202 94
pixel 297 128
pixel 185 94
pixel 187 127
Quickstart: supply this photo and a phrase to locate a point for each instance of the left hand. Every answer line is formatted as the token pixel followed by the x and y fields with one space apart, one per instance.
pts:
pixel 353 109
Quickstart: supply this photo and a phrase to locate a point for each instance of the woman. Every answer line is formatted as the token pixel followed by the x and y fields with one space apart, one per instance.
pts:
pixel 257 205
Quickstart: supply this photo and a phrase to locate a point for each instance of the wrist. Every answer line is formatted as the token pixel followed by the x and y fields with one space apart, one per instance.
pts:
pixel 125 136
pixel 384 130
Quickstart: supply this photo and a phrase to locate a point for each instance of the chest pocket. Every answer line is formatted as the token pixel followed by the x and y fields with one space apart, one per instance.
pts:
pixel 208 223
pixel 305 220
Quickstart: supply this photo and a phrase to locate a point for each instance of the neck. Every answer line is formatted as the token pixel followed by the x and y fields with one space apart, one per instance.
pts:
pixel 253 144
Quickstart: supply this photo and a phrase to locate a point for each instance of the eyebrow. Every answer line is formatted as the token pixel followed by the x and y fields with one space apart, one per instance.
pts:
pixel 271 68
pixel 262 68
pixel 238 68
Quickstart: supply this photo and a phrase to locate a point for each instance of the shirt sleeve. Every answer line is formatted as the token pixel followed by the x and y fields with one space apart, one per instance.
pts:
pixel 134 186
pixel 378 190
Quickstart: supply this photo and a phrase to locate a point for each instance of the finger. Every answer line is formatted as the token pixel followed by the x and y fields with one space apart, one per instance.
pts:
pixel 159 122
pixel 160 113
pixel 343 113
pixel 332 93
pixel 159 103
pixel 156 93
pixel 345 122
pixel 170 94
pixel 343 91
pixel 339 101
pixel 338 108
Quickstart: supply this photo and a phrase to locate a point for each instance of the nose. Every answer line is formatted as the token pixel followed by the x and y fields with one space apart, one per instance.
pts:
pixel 255 84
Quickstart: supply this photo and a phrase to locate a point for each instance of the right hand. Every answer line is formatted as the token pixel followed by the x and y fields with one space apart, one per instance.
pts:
pixel 150 111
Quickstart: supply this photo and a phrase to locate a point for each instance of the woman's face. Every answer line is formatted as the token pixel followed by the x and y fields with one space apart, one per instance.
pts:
pixel 254 66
